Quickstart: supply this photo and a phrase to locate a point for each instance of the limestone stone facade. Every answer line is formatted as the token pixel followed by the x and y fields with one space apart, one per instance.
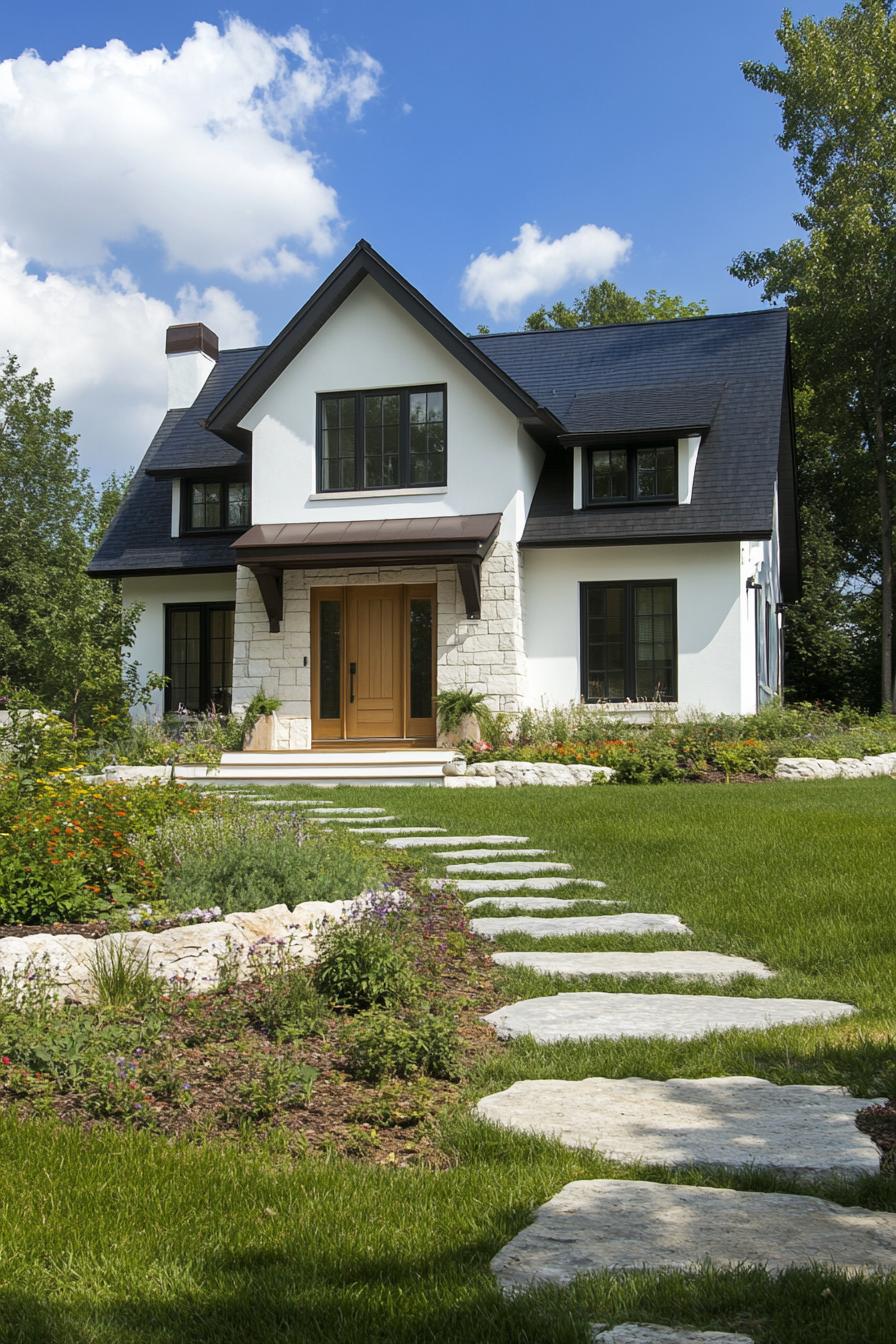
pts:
pixel 486 655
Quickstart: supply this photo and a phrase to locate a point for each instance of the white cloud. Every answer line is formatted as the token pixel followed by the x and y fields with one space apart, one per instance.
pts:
pixel 538 266
pixel 192 149
pixel 102 342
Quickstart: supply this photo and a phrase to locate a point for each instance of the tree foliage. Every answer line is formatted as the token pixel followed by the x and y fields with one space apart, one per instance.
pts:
pixel 837 93
pixel 604 304
pixel 61 633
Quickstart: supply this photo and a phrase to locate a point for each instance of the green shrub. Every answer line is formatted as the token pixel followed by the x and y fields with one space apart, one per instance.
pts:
pixel 749 757
pixel 361 964
pixel 286 1006
pixel 381 1044
pixel 651 763
pixel 242 858
pixel 454 706
pixel 121 976
pixel 277 1083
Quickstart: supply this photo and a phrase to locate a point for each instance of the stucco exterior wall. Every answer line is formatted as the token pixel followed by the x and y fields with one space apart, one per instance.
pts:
pixel 152 593
pixel 710 609
pixel 371 342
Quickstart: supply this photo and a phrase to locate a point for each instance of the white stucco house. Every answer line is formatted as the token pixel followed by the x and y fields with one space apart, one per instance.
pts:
pixel 375 507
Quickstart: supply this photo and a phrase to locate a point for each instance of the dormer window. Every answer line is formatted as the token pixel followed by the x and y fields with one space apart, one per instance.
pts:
pixel 388 439
pixel 215 506
pixel 632 474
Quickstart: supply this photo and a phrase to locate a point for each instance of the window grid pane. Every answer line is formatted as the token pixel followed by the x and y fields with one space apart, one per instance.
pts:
pixel 382 429
pixel 629 641
pixel 238 504
pixel 609 474
pixel 426 412
pixel 205 504
pixel 338 443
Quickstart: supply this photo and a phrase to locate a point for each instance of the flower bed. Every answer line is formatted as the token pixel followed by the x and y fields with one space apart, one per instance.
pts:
pixel 699 749
pixel 353 1054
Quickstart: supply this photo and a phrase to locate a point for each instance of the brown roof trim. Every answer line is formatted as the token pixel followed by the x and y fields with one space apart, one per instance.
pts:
pixel 361 262
pixel 444 538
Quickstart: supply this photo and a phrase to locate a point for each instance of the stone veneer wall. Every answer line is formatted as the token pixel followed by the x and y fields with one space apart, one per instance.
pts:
pixel 487 655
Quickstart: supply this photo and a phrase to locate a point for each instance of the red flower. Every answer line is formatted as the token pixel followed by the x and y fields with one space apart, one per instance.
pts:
pixel 5 1059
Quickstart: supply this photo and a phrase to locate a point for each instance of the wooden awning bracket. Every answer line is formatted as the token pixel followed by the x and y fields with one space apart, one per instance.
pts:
pixel 468 571
pixel 270 585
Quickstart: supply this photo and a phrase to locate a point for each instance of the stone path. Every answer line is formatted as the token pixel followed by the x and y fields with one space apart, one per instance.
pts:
pixel 678 1123
pixel 599 925
pixel 631 1333
pixel 521 869
pixel 480 884
pixel 456 840
pixel 683 1017
pixel 617 1225
pixel 713 966
pixel 534 903
pixel 684 1122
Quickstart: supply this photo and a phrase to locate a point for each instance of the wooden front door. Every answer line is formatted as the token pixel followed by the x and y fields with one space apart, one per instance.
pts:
pixel 373 653
pixel 373 660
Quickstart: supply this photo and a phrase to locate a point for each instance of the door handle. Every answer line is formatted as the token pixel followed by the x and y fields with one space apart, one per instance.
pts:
pixel 352 669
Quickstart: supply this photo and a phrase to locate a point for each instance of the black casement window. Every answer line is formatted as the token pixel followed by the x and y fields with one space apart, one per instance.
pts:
pixel 636 474
pixel 199 656
pixel 215 506
pixel 629 641
pixel 392 438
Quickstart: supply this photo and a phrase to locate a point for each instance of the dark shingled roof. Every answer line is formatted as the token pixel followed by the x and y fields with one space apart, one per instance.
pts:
pixel 726 376
pixel 139 540
pixel 678 368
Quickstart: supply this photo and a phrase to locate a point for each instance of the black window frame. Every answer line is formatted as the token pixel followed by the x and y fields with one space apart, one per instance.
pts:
pixel 204 609
pixel 632 498
pixel 404 439
pixel 630 587
pixel 187 485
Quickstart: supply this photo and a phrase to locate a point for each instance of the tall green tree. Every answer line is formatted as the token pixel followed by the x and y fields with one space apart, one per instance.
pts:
pixel 604 304
pixel 837 93
pixel 61 633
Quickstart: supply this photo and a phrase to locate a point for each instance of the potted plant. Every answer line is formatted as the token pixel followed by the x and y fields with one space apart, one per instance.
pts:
pixel 260 722
pixel 458 716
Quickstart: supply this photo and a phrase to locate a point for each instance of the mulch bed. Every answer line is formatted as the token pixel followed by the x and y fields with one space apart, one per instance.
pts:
pixel 879 1123
pixel 213 1048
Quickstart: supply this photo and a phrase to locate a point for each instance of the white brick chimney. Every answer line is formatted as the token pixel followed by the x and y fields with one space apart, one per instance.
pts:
pixel 192 350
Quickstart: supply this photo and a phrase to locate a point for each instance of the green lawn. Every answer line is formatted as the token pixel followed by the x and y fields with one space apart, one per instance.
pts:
pixel 110 1238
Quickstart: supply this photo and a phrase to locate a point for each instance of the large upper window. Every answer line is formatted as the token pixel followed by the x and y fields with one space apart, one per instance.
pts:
pixel 628 641
pixel 632 475
pixel 388 439
pixel 215 506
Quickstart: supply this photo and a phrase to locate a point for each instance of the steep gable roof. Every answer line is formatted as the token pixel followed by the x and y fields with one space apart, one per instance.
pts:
pixel 361 262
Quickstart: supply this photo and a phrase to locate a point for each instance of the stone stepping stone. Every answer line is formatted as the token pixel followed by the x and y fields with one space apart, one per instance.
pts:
pixel 533 903
pixel 632 1333
pixel 392 830
pixel 592 1226
pixel 634 923
pixel 351 821
pixel 685 1122
pixel 683 1017
pixel 477 884
pixel 487 853
pixel 331 811
pixel 462 840
pixel 522 867
pixel 682 965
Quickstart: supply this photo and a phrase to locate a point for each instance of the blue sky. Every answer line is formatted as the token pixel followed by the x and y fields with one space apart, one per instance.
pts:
pixel 479 118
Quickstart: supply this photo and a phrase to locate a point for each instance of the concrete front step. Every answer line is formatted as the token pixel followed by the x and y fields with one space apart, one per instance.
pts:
pixel 399 766
pixel 687 1122
pixel 713 966
pixel 681 1017
pixel 595 1226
